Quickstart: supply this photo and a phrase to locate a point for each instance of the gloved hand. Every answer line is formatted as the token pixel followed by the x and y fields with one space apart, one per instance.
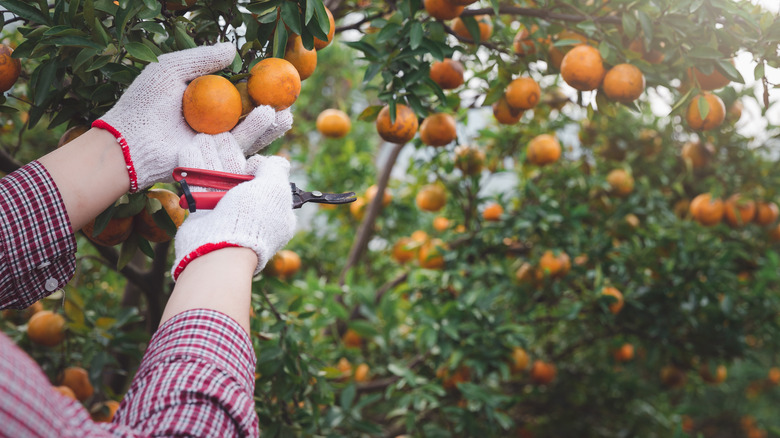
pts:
pixel 256 214
pixel 148 122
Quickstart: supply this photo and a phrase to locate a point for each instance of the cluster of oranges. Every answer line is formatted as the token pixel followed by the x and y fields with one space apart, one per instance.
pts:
pixel 736 211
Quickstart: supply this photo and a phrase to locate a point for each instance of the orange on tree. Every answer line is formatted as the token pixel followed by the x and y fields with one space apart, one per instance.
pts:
pixel 441 223
pixel 116 231
pixel 387 197
pixel 527 275
pixel 624 83
pixel 438 129
pixel 708 376
pixel 46 328
pixel 519 361
pixel 673 377
pixel 505 114
pixel 402 130
pixel 72 134
pixel 144 222
pixel 582 68
pixel 739 212
pixel 352 339
pixel 10 68
pixel 431 197
pixel 553 265
pixel 709 82
pixel 448 73
pixel 523 43
pixel 696 154
pixel 274 82
pixel 493 212
pixel 430 254
pixel 362 372
pixel 77 379
pixel 404 250
pixel 420 236
pixel 766 213
pixel 614 305
pixel 523 93
pixel 358 208
pixel 624 354
pixel 345 367
pixel 705 210
pixel 543 149
pixel 483 21
pixel 303 59
pixel 284 264
pixel 774 375
pixel 469 159
pixel 620 181
pixel 542 372
pixel 442 9
pixel 333 123
pixel 104 412
pixel 211 104
pixel 321 44
pixel 653 56
pixel 451 380
pixel 734 113
pixel 246 102
pixel 64 390
pixel 558 51
pixel 714 116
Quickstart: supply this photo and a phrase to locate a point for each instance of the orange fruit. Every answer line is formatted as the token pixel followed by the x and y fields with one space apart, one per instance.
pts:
pixel 320 44
pixel 358 208
pixel 46 328
pixel 766 213
pixel 523 93
pixel 716 113
pixel 614 306
pixel 442 9
pixel 333 123
pixel 493 212
pixel 420 236
pixel 734 112
pixel 522 43
pixel 404 250
pixel 345 367
pixel 695 153
pixel 352 339
pixel 543 149
pixel 211 104
pixel 709 82
pixel 557 53
pixel 526 274
pixel 67 392
pixel 441 223
pixel 620 181
pixel 653 56
pixel 432 197
pixel 624 83
pixel 71 134
pixel 116 231
pixel 554 265
pixel 246 102
pixel 719 377
pixel 739 212
pixel 144 222
pixel 774 375
pixel 505 114
pixel 624 354
pixel 76 378
pixel 304 60
pixel 362 372
pixel 672 376
pixel 469 159
pixel 10 68
pixel 104 412
pixel 448 74
pixel 542 372
pixel 519 360
pixel 438 130
pixel 371 193
pixel 176 5
pixel 404 128
pixel 274 82
pixel 582 68
pixel 485 27
pixel 284 264
pixel 430 254
pixel 705 210
pixel 450 380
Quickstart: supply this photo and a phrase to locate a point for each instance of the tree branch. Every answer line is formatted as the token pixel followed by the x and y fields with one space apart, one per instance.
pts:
pixel 367 226
pixel 132 274
pixel 539 13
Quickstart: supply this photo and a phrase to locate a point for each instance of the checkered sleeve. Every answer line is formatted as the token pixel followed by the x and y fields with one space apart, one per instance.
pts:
pixel 37 246
pixel 196 379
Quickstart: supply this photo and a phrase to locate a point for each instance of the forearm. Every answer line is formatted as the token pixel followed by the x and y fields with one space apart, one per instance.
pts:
pixel 220 280
pixel 90 173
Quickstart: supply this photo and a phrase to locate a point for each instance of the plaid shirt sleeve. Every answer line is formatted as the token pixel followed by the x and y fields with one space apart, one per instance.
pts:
pixel 196 379
pixel 37 246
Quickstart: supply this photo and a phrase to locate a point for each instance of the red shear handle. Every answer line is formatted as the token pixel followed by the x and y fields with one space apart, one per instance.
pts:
pixel 203 200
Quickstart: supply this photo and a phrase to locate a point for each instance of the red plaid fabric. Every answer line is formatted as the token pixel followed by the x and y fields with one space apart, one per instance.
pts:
pixel 196 378
pixel 37 246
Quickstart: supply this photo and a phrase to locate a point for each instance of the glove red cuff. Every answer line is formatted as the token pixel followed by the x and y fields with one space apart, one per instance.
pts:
pixel 203 250
pixel 125 152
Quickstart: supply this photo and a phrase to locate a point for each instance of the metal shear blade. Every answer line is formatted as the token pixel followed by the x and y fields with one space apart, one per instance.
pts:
pixel 301 197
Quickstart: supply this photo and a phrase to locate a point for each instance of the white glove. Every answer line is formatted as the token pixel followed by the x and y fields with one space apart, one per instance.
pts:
pixel 148 121
pixel 256 214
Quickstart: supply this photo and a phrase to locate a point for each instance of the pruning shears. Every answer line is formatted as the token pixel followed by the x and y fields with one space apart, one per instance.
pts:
pixel 224 181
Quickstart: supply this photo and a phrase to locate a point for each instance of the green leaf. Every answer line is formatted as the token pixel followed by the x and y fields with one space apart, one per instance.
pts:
pixel 127 251
pixel 682 101
pixel 348 396
pixel 280 41
pixel 291 17
pixel 146 247
pixel 164 221
pixel 629 24
pixel 76 41
pixel 415 35
pixel 370 113
pixel 141 52
pixel 322 17
pixel 728 70
pixel 26 11
pixel 183 39
pixel 705 52
pixel 704 107
pixel 44 81
pixel 364 47
pixel 758 73
pixel 102 220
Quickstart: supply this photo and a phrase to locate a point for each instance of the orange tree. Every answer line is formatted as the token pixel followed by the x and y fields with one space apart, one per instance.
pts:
pixel 547 269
